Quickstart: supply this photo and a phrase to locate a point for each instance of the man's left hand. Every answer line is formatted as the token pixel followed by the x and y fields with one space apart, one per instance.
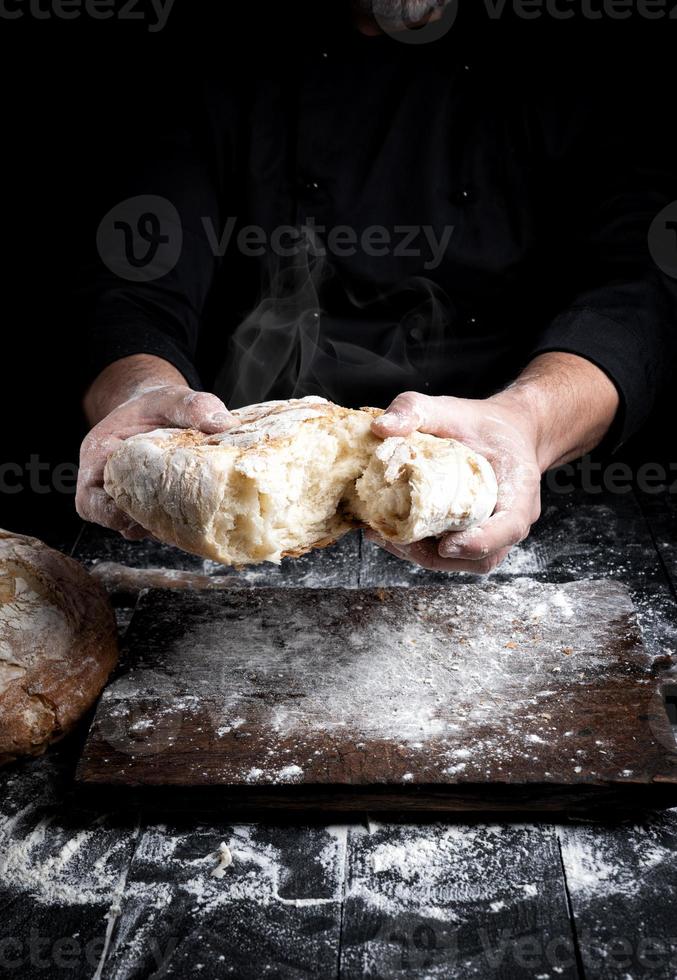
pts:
pixel 559 408
pixel 502 435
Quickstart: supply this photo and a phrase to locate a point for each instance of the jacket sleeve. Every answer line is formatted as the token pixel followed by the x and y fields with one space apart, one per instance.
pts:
pixel 622 314
pixel 145 288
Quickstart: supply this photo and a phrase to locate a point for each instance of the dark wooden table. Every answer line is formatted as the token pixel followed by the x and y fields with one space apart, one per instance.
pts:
pixel 122 891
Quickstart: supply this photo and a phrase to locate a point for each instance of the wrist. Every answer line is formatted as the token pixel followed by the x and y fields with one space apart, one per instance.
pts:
pixel 567 403
pixel 524 400
pixel 125 379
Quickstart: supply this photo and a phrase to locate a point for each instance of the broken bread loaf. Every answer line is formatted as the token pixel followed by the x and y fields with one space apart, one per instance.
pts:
pixel 292 476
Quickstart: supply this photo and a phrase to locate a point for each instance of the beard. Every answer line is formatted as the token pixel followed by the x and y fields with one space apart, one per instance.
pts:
pixel 400 11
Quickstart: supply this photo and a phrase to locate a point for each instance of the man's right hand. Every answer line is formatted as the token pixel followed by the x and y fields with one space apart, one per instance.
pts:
pixel 155 407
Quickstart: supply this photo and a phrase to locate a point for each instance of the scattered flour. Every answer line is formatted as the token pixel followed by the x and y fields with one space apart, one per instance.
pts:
pixel 478 686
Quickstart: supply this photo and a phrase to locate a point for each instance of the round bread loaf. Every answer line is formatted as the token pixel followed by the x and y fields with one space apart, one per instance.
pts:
pixel 58 644
pixel 295 475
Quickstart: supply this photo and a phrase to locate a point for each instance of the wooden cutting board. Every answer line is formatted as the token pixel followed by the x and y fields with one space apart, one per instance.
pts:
pixel 495 696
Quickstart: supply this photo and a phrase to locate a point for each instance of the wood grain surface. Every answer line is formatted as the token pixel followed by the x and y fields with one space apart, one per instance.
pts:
pixel 516 692
pixel 117 891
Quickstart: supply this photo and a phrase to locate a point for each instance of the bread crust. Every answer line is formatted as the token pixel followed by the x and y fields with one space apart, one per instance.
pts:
pixel 58 644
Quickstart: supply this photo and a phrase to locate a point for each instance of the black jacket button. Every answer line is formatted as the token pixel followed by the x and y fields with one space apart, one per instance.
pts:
pixel 464 195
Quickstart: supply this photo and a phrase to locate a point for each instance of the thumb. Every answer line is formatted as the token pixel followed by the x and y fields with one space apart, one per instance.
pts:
pixel 196 410
pixel 407 413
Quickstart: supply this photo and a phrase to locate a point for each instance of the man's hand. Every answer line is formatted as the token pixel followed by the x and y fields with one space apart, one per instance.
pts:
pixel 142 402
pixel 506 438
pixel 559 409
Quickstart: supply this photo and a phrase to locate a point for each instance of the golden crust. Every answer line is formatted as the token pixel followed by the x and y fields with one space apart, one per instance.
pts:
pixel 58 645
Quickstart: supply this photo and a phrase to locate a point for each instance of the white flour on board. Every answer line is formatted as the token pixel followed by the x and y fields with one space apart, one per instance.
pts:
pixel 479 677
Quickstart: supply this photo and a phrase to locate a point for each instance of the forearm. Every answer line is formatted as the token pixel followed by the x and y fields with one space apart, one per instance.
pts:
pixel 124 379
pixel 569 403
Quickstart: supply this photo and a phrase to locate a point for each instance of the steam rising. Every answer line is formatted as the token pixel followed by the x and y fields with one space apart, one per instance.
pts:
pixel 289 347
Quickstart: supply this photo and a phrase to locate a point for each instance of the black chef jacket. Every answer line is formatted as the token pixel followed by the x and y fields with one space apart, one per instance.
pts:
pixel 504 191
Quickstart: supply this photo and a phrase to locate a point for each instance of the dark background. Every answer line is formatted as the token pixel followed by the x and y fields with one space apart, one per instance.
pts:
pixel 73 93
